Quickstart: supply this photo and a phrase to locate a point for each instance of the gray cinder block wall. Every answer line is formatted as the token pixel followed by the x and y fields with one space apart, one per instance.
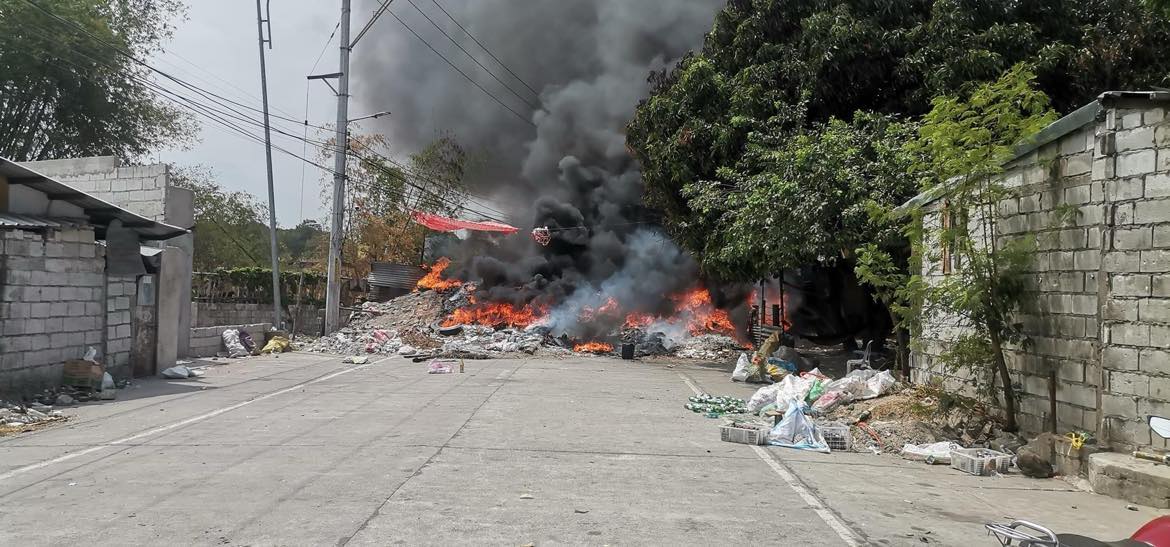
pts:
pixel 1101 278
pixel 121 292
pixel 52 304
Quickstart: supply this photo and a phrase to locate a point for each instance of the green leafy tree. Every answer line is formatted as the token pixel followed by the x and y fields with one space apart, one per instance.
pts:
pixel 965 141
pixel 772 71
pixel 65 93
pixel 230 227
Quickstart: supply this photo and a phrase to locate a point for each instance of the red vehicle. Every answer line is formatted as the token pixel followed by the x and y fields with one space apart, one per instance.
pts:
pixel 1022 533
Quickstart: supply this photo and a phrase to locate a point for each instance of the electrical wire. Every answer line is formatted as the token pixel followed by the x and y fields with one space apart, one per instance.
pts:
pixel 211 112
pixel 472 57
pixel 459 70
pixel 483 47
pixel 369 24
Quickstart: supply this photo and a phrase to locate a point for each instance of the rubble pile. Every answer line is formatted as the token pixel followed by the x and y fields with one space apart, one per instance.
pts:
pixel 17 418
pixel 413 325
pixel 919 415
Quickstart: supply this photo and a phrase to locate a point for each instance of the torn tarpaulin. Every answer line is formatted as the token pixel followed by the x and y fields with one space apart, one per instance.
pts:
pixel 444 224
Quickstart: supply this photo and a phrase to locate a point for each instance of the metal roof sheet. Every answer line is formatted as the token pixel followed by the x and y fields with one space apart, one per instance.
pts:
pixel 12 220
pixel 99 213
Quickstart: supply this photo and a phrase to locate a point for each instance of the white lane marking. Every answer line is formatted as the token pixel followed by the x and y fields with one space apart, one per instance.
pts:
pixel 690 384
pixel 150 432
pixel 811 499
pixel 826 515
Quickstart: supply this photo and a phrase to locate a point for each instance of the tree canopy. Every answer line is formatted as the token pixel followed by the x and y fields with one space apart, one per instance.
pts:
pixel 777 83
pixel 68 93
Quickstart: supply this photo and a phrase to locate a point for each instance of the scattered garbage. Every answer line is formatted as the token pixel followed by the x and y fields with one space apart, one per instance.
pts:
pixel 797 431
pixel 276 344
pixel 18 418
pixel 65 400
pixel 743 433
pixel 109 390
pixel 248 342
pixel 231 341
pixel 980 461
pixel 441 366
pixel 709 404
pixel 182 373
pixel 931 453
pixel 356 360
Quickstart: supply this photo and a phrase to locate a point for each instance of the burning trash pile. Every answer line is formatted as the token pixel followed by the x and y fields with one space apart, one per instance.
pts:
pixel 445 317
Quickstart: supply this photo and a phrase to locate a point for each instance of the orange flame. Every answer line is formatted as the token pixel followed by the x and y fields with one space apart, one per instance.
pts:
pixel 593 347
pixel 434 280
pixel 702 315
pixel 494 314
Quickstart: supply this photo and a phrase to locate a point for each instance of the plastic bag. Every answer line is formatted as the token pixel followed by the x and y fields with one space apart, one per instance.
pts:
pixel 278 344
pixel 740 373
pixel 109 389
pixel 878 385
pixel 830 400
pixel 786 365
pixel 933 453
pixel 790 387
pixel 247 341
pixel 797 431
pixel 231 341
pixel 815 392
pixel 774 372
pixel 440 367
pixel 177 373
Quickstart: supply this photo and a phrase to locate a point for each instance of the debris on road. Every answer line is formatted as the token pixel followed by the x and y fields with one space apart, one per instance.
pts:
pixel 356 360
pixel 17 418
pixel 182 373
pixel 708 404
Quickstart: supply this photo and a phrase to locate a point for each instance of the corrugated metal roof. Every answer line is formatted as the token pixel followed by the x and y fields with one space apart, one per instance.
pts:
pixel 398 276
pixel 99 213
pixel 11 220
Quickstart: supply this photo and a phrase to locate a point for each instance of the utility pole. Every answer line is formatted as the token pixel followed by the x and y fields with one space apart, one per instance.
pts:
pixel 333 284
pixel 260 22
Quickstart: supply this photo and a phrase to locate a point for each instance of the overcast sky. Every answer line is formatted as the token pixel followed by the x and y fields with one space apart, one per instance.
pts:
pixel 575 71
pixel 219 37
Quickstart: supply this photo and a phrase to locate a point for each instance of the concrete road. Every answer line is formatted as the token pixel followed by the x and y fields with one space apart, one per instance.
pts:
pixel 304 450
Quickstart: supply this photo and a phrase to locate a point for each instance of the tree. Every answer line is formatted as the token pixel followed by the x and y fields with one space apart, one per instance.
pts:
pixel 65 93
pixel 382 194
pixel 771 71
pixel 804 198
pixel 965 140
pixel 230 229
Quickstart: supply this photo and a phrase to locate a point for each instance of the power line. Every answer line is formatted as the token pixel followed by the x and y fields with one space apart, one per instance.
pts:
pixel 373 19
pixel 210 112
pixel 483 47
pixel 472 57
pixel 460 71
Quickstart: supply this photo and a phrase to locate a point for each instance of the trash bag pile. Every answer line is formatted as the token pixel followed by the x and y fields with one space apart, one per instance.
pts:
pixel 708 404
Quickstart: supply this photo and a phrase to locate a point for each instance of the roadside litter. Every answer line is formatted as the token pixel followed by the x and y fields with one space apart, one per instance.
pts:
pixel 444 366
pixel 714 406
pixel 231 341
pixel 356 360
pixel 182 373
pixel 18 418
pixel 277 344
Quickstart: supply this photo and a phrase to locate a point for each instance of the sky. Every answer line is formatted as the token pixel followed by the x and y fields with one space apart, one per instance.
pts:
pixel 552 86
pixel 216 48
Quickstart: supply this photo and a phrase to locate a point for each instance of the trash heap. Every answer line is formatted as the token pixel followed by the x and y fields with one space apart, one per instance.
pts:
pixel 412 325
pixel 867 410
pixel 17 418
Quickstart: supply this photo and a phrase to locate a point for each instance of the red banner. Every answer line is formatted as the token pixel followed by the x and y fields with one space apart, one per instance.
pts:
pixel 444 224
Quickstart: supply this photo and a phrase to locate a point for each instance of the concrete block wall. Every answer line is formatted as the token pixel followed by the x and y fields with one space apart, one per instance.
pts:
pixel 121 293
pixel 141 188
pixel 1098 202
pixel 52 304
pixel 208 341
pixel 1133 160
pixel 208 314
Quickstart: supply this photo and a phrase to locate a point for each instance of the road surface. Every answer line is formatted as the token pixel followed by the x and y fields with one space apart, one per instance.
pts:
pixel 302 449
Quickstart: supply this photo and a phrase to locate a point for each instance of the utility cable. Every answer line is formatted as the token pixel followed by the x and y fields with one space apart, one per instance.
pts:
pixel 483 47
pixel 460 71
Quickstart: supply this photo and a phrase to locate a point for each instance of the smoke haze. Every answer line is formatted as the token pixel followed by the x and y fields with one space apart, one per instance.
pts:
pixel 589 61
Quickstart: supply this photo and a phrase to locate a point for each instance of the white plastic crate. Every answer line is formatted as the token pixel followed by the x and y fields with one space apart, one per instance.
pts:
pixel 837 436
pixel 743 434
pixel 980 461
